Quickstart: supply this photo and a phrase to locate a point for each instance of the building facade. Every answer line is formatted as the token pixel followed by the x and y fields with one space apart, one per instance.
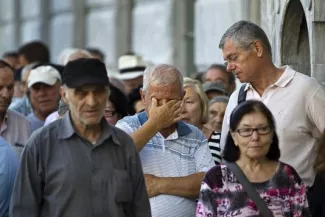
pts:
pixel 181 32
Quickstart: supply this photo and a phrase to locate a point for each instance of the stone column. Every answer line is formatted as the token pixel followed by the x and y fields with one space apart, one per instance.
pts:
pixel 318 42
pixel 123 27
pixel 79 23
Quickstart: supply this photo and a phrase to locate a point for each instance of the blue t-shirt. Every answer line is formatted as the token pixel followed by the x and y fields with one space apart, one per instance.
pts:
pixel 8 170
pixel 34 122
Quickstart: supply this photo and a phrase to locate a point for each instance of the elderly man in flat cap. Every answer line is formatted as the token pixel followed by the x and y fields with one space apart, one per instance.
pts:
pixel 80 166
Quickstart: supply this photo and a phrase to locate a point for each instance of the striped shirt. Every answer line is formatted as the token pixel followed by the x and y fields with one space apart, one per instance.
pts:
pixel 214 145
pixel 183 153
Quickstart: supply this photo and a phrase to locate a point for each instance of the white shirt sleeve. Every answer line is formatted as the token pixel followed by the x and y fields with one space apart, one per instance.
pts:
pixel 226 120
pixel 316 113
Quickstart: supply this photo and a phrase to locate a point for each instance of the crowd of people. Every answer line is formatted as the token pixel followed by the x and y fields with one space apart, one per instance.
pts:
pixel 150 142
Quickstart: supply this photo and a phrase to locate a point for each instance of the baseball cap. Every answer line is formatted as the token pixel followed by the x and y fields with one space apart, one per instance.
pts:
pixel 214 86
pixel 43 74
pixel 130 67
pixel 85 71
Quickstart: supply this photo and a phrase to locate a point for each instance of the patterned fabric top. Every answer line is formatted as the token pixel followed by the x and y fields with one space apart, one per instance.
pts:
pixel 223 195
pixel 214 145
pixel 183 153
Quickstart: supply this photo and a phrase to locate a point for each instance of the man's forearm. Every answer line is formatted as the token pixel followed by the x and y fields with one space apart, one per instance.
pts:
pixel 188 186
pixel 143 135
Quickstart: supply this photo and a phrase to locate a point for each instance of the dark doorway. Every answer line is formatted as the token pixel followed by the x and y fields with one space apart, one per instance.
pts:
pixel 295 50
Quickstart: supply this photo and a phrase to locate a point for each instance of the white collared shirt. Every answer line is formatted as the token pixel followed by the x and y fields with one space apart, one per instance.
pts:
pixel 297 103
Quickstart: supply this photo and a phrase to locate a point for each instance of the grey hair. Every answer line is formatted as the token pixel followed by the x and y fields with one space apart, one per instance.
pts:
pixel 76 54
pixel 223 99
pixel 162 74
pixel 243 33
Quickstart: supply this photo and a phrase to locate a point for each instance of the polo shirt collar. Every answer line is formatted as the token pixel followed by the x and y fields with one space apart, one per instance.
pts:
pixel 5 122
pixel 283 81
pixel 286 77
pixel 181 127
pixel 66 129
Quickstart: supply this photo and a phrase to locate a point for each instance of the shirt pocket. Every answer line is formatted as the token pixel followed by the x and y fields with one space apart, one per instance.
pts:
pixel 122 186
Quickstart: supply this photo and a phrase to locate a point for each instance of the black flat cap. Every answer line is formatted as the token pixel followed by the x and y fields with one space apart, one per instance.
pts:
pixel 85 71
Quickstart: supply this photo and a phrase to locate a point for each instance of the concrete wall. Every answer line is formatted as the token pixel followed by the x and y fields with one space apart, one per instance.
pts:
pixel 273 21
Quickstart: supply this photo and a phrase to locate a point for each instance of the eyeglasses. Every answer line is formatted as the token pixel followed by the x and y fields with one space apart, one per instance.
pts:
pixel 233 58
pixel 246 132
pixel 109 114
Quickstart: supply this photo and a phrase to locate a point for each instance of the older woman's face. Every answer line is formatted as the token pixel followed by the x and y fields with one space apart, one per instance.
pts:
pixel 257 145
pixel 216 114
pixel 192 112
pixel 110 113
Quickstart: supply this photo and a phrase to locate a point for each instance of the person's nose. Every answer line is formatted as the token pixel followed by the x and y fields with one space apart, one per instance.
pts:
pixel 91 99
pixel 41 91
pixel 183 107
pixel 255 135
pixel 5 93
pixel 230 67
pixel 219 118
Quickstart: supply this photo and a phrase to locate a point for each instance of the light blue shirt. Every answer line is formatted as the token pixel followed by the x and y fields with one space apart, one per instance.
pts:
pixel 183 153
pixel 34 122
pixel 22 106
pixel 8 170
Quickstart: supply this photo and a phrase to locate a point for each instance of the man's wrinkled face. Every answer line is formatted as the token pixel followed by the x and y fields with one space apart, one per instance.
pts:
pixel 163 94
pixel 45 98
pixel 240 61
pixel 87 103
pixel 6 88
pixel 216 75
pixel 216 114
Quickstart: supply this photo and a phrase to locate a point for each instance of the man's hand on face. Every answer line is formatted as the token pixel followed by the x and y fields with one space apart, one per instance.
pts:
pixel 165 115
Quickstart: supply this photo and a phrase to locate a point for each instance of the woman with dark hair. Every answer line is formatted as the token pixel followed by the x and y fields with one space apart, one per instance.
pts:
pixel 116 105
pixel 135 102
pixel 252 145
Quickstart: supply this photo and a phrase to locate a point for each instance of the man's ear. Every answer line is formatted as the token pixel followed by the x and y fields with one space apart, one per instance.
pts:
pixel 142 93
pixel 64 94
pixel 258 48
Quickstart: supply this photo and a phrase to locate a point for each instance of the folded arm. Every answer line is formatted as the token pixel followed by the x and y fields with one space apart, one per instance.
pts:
pixel 187 186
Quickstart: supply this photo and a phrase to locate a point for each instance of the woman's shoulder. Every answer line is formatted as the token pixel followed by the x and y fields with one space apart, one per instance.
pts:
pixel 218 175
pixel 290 172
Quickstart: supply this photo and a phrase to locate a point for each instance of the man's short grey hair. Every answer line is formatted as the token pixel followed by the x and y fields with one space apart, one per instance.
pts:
pixel 162 74
pixel 77 54
pixel 243 33
pixel 223 99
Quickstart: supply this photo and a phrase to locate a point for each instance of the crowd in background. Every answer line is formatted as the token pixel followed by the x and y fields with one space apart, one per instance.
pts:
pixel 187 132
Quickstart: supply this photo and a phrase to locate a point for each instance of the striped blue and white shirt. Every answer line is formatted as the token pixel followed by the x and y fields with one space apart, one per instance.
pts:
pixel 183 153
